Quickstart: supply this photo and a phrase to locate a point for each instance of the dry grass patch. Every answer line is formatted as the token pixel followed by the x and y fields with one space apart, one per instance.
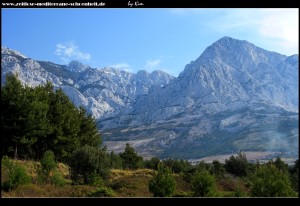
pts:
pixel 31 167
pixel 36 190
pixel 131 183
pixel 115 173
pixel 182 187
pixel 63 169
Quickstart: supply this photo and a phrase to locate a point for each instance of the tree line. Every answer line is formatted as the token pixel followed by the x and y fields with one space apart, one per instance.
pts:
pixel 34 120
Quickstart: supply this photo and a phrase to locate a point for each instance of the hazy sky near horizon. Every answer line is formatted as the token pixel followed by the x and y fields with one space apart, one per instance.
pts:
pixel 136 39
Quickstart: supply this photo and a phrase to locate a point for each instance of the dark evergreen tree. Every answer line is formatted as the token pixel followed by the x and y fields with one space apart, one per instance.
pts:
pixel 202 166
pixel 88 133
pixel 237 165
pixel 131 160
pixel 295 175
pixel 177 166
pixel 66 125
pixel 38 126
pixel 152 163
pixel 115 161
pixel 281 165
pixel 218 168
pixel 34 120
pixel 13 116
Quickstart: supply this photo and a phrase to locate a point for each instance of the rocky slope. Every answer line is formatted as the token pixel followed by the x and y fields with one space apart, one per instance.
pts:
pixel 235 96
pixel 103 92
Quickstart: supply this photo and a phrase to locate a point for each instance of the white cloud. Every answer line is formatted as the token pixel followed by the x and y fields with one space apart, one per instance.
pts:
pixel 279 28
pixel 282 26
pixel 152 65
pixel 122 66
pixel 69 51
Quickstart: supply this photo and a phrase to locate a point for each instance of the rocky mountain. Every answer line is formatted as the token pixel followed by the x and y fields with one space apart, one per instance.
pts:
pixel 103 92
pixel 234 97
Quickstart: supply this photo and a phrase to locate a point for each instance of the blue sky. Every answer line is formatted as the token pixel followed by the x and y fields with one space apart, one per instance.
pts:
pixel 136 39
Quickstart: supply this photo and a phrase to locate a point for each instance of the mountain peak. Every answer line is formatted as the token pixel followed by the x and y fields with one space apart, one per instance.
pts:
pixel 143 71
pixel 76 66
pixel 228 38
pixel 8 51
pixel 239 54
pixel 231 43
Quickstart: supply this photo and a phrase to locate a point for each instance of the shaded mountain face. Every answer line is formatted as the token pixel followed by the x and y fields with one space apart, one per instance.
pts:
pixel 234 97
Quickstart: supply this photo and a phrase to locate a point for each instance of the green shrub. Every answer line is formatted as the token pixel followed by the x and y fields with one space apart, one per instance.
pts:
pixel 163 182
pixel 16 174
pixel 57 179
pixel 269 181
pixel 103 192
pixel 87 163
pixel 239 192
pixel 49 173
pixel 203 184
pixel 48 164
pixel 95 180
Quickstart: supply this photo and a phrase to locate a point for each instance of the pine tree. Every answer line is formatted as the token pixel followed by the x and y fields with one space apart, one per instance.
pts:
pixel 237 165
pixel 13 117
pixel 88 133
pixel 115 161
pixel 130 158
pixel 66 125
pixel 38 125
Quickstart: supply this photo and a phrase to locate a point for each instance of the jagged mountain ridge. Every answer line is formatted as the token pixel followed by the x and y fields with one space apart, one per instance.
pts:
pixel 216 84
pixel 233 92
pixel 235 96
pixel 103 92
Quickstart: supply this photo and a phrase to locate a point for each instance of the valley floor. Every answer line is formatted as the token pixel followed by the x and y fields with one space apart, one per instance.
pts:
pixel 252 156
